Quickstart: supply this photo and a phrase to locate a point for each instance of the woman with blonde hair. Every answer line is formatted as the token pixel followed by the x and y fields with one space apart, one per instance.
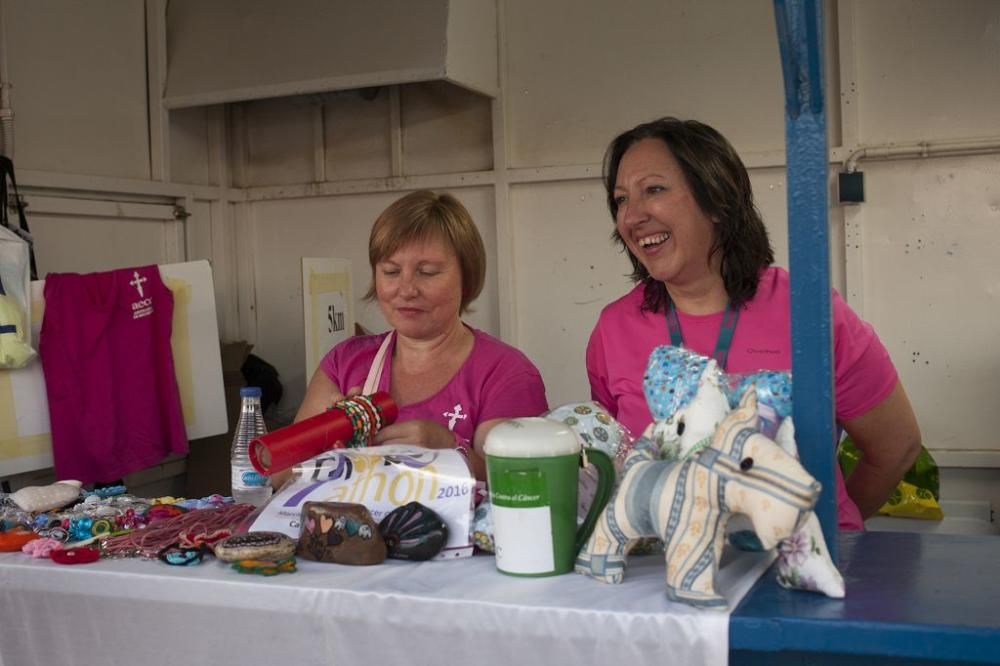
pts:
pixel 452 382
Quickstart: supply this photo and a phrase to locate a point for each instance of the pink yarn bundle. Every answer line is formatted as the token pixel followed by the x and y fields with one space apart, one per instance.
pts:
pixel 41 548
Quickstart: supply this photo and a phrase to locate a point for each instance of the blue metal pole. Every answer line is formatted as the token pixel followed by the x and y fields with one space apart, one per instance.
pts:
pixel 800 41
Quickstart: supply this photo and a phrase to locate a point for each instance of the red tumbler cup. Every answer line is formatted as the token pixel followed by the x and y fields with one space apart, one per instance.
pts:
pixel 310 437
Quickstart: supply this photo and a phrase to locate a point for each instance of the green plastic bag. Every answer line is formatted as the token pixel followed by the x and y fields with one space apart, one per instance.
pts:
pixel 916 496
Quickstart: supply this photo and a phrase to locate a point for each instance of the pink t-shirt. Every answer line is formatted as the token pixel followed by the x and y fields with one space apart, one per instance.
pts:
pixel 496 381
pixel 114 406
pixel 624 337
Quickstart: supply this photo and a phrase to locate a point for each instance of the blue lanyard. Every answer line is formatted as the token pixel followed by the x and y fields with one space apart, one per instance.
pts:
pixel 726 331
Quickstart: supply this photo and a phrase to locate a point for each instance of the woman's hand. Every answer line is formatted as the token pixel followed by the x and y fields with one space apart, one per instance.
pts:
pixel 421 432
pixel 320 396
pixel 433 435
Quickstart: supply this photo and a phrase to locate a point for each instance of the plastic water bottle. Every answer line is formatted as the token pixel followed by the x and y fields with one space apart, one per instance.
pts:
pixel 248 485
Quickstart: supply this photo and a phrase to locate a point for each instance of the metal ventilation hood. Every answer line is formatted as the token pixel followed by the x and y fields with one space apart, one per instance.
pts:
pixel 236 50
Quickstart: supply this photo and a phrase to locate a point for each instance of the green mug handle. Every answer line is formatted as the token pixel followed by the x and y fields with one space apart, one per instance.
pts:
pixel 605 486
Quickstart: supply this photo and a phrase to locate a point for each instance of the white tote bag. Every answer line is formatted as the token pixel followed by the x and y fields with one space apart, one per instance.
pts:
pixel 16 270
pixel 15 301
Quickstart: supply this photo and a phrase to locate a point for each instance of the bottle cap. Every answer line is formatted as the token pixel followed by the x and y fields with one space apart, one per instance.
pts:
pixel 250 392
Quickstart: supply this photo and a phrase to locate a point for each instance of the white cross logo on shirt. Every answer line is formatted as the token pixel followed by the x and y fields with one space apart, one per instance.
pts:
pixel 455 416
pixel 137 282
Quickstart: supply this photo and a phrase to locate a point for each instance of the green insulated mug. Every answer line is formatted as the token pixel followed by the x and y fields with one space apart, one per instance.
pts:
pixel 533 466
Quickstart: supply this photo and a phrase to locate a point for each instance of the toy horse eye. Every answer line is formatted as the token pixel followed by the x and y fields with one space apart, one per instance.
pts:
pixel 746 464
pixel 680 428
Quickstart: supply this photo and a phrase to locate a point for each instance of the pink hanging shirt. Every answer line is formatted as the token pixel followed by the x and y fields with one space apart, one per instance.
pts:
pixel 109 373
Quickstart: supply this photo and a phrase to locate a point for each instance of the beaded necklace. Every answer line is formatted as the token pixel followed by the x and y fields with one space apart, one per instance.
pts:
pixel 149 541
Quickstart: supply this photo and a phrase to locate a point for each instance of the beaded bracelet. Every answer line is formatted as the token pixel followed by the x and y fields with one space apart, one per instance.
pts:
pixel 378 411
pixel 375 410
pixel 374 418
pixel 351 410
pixel 364 433
pixel 365 417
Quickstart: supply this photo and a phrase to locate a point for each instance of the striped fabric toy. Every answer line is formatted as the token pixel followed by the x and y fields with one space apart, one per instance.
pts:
pixel 689 397
pixel 687 503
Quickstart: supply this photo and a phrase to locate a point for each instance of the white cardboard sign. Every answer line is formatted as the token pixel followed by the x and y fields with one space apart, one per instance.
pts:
pixel 382 478
pixel 327 299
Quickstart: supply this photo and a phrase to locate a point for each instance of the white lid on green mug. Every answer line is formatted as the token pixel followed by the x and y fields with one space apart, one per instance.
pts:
pixel 531 437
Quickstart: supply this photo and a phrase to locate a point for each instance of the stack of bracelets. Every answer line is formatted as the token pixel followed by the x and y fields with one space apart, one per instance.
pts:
pixel 365 417
pixel 123 526
pixel 349 423
pixel 94 517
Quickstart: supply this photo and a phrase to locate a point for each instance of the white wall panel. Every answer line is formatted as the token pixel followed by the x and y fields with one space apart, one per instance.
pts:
pixel 567 270
pixel 357 136
pixel 198 232
pixel 69 244
pixel 78 77
pixel 280 140
pixel 927 69
pixel 236 50
pixel 930 243
pixel 189 161
pixel 446 129
pixel 203 240
pixel 231 50
pixel 771 194
pixel 443 129
pixel 285 231
pixel 580 72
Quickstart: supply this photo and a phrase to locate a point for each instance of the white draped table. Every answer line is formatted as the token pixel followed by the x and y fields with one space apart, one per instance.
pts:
pixel 146 613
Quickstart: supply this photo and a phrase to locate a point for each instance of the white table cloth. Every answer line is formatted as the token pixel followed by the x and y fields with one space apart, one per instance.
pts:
pixel 146 613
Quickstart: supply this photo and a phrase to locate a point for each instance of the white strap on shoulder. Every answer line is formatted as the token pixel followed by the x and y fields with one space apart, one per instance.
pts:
pixel 375 372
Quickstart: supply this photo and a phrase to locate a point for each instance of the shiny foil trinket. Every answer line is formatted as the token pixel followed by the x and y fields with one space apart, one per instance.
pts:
pixel 413 532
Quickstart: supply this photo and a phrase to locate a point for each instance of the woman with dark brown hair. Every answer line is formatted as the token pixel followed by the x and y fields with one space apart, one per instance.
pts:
pixel 684 212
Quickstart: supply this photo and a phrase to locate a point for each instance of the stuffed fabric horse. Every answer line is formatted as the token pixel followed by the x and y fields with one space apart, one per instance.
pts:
pixel 687 503
pixel 688 397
